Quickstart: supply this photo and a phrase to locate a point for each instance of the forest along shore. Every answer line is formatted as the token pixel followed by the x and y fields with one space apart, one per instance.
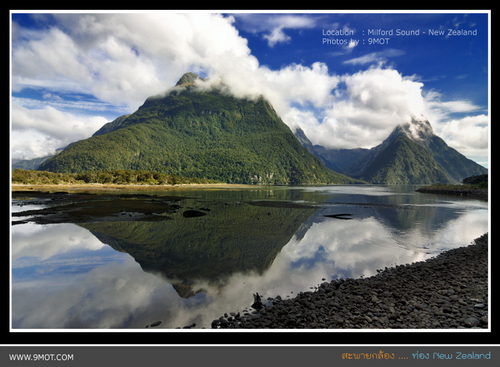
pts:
pixel 473 187
pixel 444 292
pixel 457 191
pixel 123 187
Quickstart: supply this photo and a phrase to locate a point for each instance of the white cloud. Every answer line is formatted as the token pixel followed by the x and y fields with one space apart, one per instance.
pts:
pixel 468 135
pixel 369 104
pixel 122 59
pixel 455 122
pixel 439 109
pixel 51 53
pixel 39 132
pixel 302 84
pixel 276 36
pixel 29 143
pixel 273 25
pixel 375 57
pixel 283 22
pixel 367 108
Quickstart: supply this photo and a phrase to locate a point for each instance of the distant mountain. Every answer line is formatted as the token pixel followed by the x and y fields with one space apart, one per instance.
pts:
pixel 196 132
pixel 410 154
pixel 403 161
pixel 28 164
pixel 34 163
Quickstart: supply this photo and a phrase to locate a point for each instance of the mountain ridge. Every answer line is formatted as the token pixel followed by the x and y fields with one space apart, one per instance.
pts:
pixel 411 154
pixel 200 132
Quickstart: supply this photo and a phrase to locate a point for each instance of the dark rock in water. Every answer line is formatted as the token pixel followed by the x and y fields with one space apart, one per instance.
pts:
pixel 257 304
pixel 156 323
pixel 193 214
pixel 338 216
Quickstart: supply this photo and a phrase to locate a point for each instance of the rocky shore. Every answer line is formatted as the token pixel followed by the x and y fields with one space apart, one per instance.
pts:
pixel 449 291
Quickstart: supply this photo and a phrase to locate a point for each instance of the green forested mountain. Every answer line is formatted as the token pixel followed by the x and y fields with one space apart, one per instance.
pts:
pixel 404 162
pixel 456 165
pixel 215 251
pixel 199 133
pixel 411 154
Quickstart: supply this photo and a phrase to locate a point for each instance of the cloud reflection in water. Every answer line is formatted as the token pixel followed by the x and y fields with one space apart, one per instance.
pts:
pixel 64 277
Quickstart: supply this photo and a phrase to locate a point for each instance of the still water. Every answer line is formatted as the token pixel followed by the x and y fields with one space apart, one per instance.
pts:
pixel 191 270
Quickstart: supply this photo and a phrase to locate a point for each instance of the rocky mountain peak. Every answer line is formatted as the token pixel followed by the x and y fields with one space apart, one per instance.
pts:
pixel 188 79
pixel 418 129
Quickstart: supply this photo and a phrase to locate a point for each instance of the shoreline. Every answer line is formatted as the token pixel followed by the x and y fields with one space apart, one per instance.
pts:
pixel 124 187
pixel 471 194
pixel 449 291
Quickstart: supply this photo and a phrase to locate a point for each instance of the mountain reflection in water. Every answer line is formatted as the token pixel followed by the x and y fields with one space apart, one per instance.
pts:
pixel 128 274
pixel 231 238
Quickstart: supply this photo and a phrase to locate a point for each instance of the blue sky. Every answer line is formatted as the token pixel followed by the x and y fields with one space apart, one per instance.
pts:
pixel 454 65
pixel 332 74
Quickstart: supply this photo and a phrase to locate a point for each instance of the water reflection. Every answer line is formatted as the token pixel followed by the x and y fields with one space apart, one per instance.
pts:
pixel 191 270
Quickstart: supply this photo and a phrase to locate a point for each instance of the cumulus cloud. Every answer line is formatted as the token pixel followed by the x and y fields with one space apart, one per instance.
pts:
pixel 121 59
pixel 468 134
pixel 363 108
pixel 301 84
pixel 39 132
pixel 367 106
pixel 124 58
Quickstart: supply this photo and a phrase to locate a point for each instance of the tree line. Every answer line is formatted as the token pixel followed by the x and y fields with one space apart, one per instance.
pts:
pixel 117 177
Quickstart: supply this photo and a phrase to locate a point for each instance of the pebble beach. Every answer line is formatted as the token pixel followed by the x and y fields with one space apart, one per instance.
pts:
pixel 449 291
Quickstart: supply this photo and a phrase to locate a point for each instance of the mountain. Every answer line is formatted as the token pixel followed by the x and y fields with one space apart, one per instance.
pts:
pixel 199 132
pixel 454 163
pixel 28 164
pixel 34 163
pixel 403 161
pixel 411 154
pixel 207 249
pixel 304 140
